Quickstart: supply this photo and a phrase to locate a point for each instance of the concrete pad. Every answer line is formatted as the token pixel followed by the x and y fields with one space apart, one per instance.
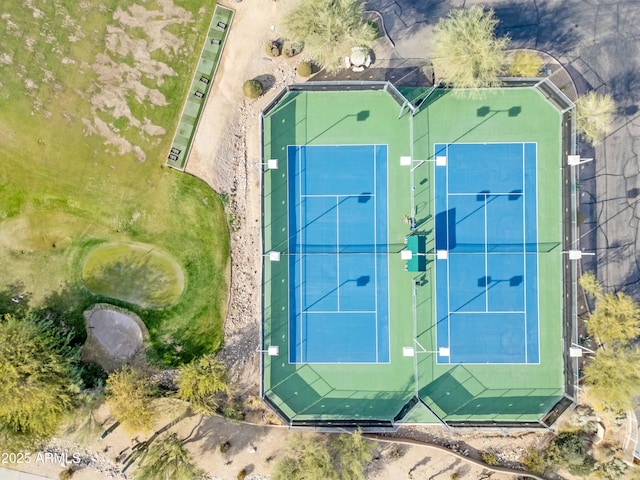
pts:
pixel 114 336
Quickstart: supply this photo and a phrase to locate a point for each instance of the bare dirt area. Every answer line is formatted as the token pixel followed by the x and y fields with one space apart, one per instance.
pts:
pixel 117 80
pixel 254 448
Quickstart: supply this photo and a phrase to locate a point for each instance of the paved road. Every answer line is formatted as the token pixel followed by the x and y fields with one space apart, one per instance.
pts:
pixel 598 41
pixel 7 474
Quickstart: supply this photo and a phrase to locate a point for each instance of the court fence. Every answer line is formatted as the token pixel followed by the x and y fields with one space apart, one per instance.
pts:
pixel 571 240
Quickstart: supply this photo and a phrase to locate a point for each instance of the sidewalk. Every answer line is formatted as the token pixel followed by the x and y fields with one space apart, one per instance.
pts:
pixel 8 474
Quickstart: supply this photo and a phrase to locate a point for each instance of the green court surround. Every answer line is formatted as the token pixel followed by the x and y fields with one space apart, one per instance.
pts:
pixel 412 389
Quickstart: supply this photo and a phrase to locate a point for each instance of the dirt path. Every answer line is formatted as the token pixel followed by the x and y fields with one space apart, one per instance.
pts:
pixel 226 154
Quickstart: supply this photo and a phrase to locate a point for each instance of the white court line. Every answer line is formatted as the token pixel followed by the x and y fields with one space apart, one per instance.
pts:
pixel 315 312
pixel 475 194
pixel 340 195
pixel 302 358
pixel 446 179
pixel 503 312
pixel 338 248
pixel 524 247
pixel 486 258
pixel 375 247
pixel 451 252
pixel 288 262
pixel 537 240
pixel 388 312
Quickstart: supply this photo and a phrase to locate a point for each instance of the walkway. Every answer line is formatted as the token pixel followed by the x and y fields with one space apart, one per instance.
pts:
pixel 7 474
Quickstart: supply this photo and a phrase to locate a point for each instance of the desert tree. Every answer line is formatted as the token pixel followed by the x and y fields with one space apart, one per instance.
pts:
pixel 614 377
pixel 351 453
pixel 200 381
pixel 341 457
pixel 594 116
pixel 466 51
pixel 306 457
pixel 329 29
pixel 39 380
pixel 167 459
pixel 130 396
pixel 615 320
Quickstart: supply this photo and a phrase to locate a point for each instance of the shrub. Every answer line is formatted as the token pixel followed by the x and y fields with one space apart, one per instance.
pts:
pixel 304 69
pixel 489 458
pixel 252 88
pixel 525 64
pixel 67 473
pixel 225 446
pixel 272 49
pixel 291 49
pixel 242 474
pixel 533 461
pixel 374 27
pixel 396 451
pixel 233 410
pixel 567 451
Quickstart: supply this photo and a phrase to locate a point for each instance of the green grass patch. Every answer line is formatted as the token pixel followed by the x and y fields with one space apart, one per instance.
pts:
pixel 64 191
pixel 138 274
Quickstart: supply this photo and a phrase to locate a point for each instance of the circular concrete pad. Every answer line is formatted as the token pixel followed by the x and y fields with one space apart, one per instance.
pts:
pixel 116 332
pixel 114 335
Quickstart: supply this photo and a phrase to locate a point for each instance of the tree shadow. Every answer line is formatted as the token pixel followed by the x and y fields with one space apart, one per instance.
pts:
pixel 14 300
pixel 213 431
pixel 64 308
pixel 540 25
pixel 267 81
pixel 625 89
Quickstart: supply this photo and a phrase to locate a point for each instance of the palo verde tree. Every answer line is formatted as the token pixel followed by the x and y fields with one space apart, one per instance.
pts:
pixel 329 29
pixel 166 459
pixel 200 381
pixel 351 453
pixel 614 377
pixel 594 116
pixel 615 320
pixel 614 373
pixel 130 397
pixel 39 380
pixel 466 51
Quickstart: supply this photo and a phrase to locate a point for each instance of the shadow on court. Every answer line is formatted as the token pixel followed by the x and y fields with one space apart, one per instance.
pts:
pixel 303 390
pixel 459 393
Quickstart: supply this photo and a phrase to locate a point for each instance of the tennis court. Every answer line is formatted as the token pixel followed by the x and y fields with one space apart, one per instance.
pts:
pixel 486 239
pixel 352 328
pixel 338 260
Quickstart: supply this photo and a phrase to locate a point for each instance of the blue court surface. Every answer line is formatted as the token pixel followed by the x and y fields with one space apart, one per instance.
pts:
pixel 338 260
pixel 487 269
